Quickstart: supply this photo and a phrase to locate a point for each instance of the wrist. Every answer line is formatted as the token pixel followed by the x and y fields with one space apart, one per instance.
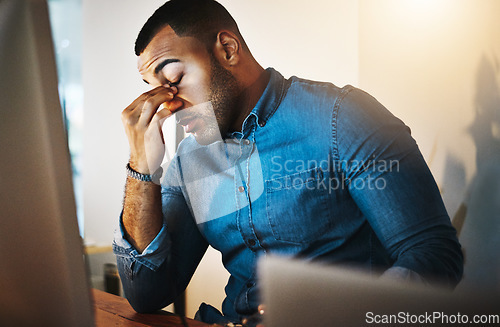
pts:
pixel 133 173
pixel 138 166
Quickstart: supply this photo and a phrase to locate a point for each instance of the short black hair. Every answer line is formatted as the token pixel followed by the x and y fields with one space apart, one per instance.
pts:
pixel 202 19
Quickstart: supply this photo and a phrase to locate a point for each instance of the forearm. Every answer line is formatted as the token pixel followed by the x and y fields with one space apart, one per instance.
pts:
pixel 142 120
pixel 142 214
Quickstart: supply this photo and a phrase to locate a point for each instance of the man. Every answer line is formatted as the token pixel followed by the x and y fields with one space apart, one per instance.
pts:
pixel 287 167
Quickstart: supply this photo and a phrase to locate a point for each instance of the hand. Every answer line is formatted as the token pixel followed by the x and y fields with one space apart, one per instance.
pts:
pixel 143 121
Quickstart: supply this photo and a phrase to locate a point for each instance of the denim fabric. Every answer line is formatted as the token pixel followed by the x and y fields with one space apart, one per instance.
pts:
pixel 317 172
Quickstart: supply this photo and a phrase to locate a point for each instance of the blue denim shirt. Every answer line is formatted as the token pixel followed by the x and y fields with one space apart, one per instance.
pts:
pixel 317 172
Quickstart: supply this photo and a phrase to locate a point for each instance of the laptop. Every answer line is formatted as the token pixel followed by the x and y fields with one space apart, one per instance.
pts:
pixel 298 293
pixel 43 280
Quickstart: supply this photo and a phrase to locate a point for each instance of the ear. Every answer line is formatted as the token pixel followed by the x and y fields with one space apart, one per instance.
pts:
pixel 227 48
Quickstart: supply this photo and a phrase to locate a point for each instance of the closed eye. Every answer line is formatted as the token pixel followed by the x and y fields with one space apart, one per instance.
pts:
pixel 174 83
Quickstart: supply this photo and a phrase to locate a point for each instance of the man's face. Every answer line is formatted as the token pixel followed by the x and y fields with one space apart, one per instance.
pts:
pixel 207 90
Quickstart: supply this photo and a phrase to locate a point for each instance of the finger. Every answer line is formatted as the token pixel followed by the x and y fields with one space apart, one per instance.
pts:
pixel 140 99
pixel 172 87
pixel 158 120
pixel 134 110
pixel 152 103
pixel 131 115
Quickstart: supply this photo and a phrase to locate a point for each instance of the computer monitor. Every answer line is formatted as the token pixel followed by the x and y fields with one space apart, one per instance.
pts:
pixel 43 279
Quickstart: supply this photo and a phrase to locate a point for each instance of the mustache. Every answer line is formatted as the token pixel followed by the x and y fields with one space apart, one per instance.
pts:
pixel 201 110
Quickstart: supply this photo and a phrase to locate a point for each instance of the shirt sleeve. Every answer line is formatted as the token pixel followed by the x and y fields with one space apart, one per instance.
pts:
pixel 154 254
pixel 392 185
pixel 154 278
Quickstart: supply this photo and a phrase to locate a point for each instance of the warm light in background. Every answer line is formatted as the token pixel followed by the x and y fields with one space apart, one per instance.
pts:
pixel 424 13
pixel 432 7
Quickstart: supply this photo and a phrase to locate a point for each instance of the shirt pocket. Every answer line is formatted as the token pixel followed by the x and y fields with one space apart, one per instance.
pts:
pixel 297 206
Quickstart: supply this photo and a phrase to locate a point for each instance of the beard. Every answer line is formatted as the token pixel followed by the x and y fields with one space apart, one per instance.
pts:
pixel 221 110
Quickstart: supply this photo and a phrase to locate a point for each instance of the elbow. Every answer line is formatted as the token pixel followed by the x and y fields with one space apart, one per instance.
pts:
pixel 445 265
pixel 148 303
pixel 145 293
pixel 439 260
pixel 456 266
pixel 448 259
pixel 448 265
pixel 141 306
pixel 146 306
pixel 146 290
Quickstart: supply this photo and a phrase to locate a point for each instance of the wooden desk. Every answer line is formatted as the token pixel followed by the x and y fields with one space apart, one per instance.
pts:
pixel 112 310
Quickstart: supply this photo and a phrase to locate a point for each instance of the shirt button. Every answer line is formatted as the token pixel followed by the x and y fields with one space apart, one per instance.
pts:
pixel 262 124
pixel 251 242
pixel 247 142
pixel 241 189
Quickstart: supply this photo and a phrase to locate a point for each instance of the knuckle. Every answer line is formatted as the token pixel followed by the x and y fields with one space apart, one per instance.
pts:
pixel 128 122
pixel 129 119
pixel 125 114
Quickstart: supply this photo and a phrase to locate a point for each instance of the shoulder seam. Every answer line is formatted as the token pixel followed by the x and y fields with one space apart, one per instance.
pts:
pixel 336 107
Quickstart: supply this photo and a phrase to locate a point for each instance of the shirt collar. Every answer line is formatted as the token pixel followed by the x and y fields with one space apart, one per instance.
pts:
pixel 271 97
pixel 267 104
